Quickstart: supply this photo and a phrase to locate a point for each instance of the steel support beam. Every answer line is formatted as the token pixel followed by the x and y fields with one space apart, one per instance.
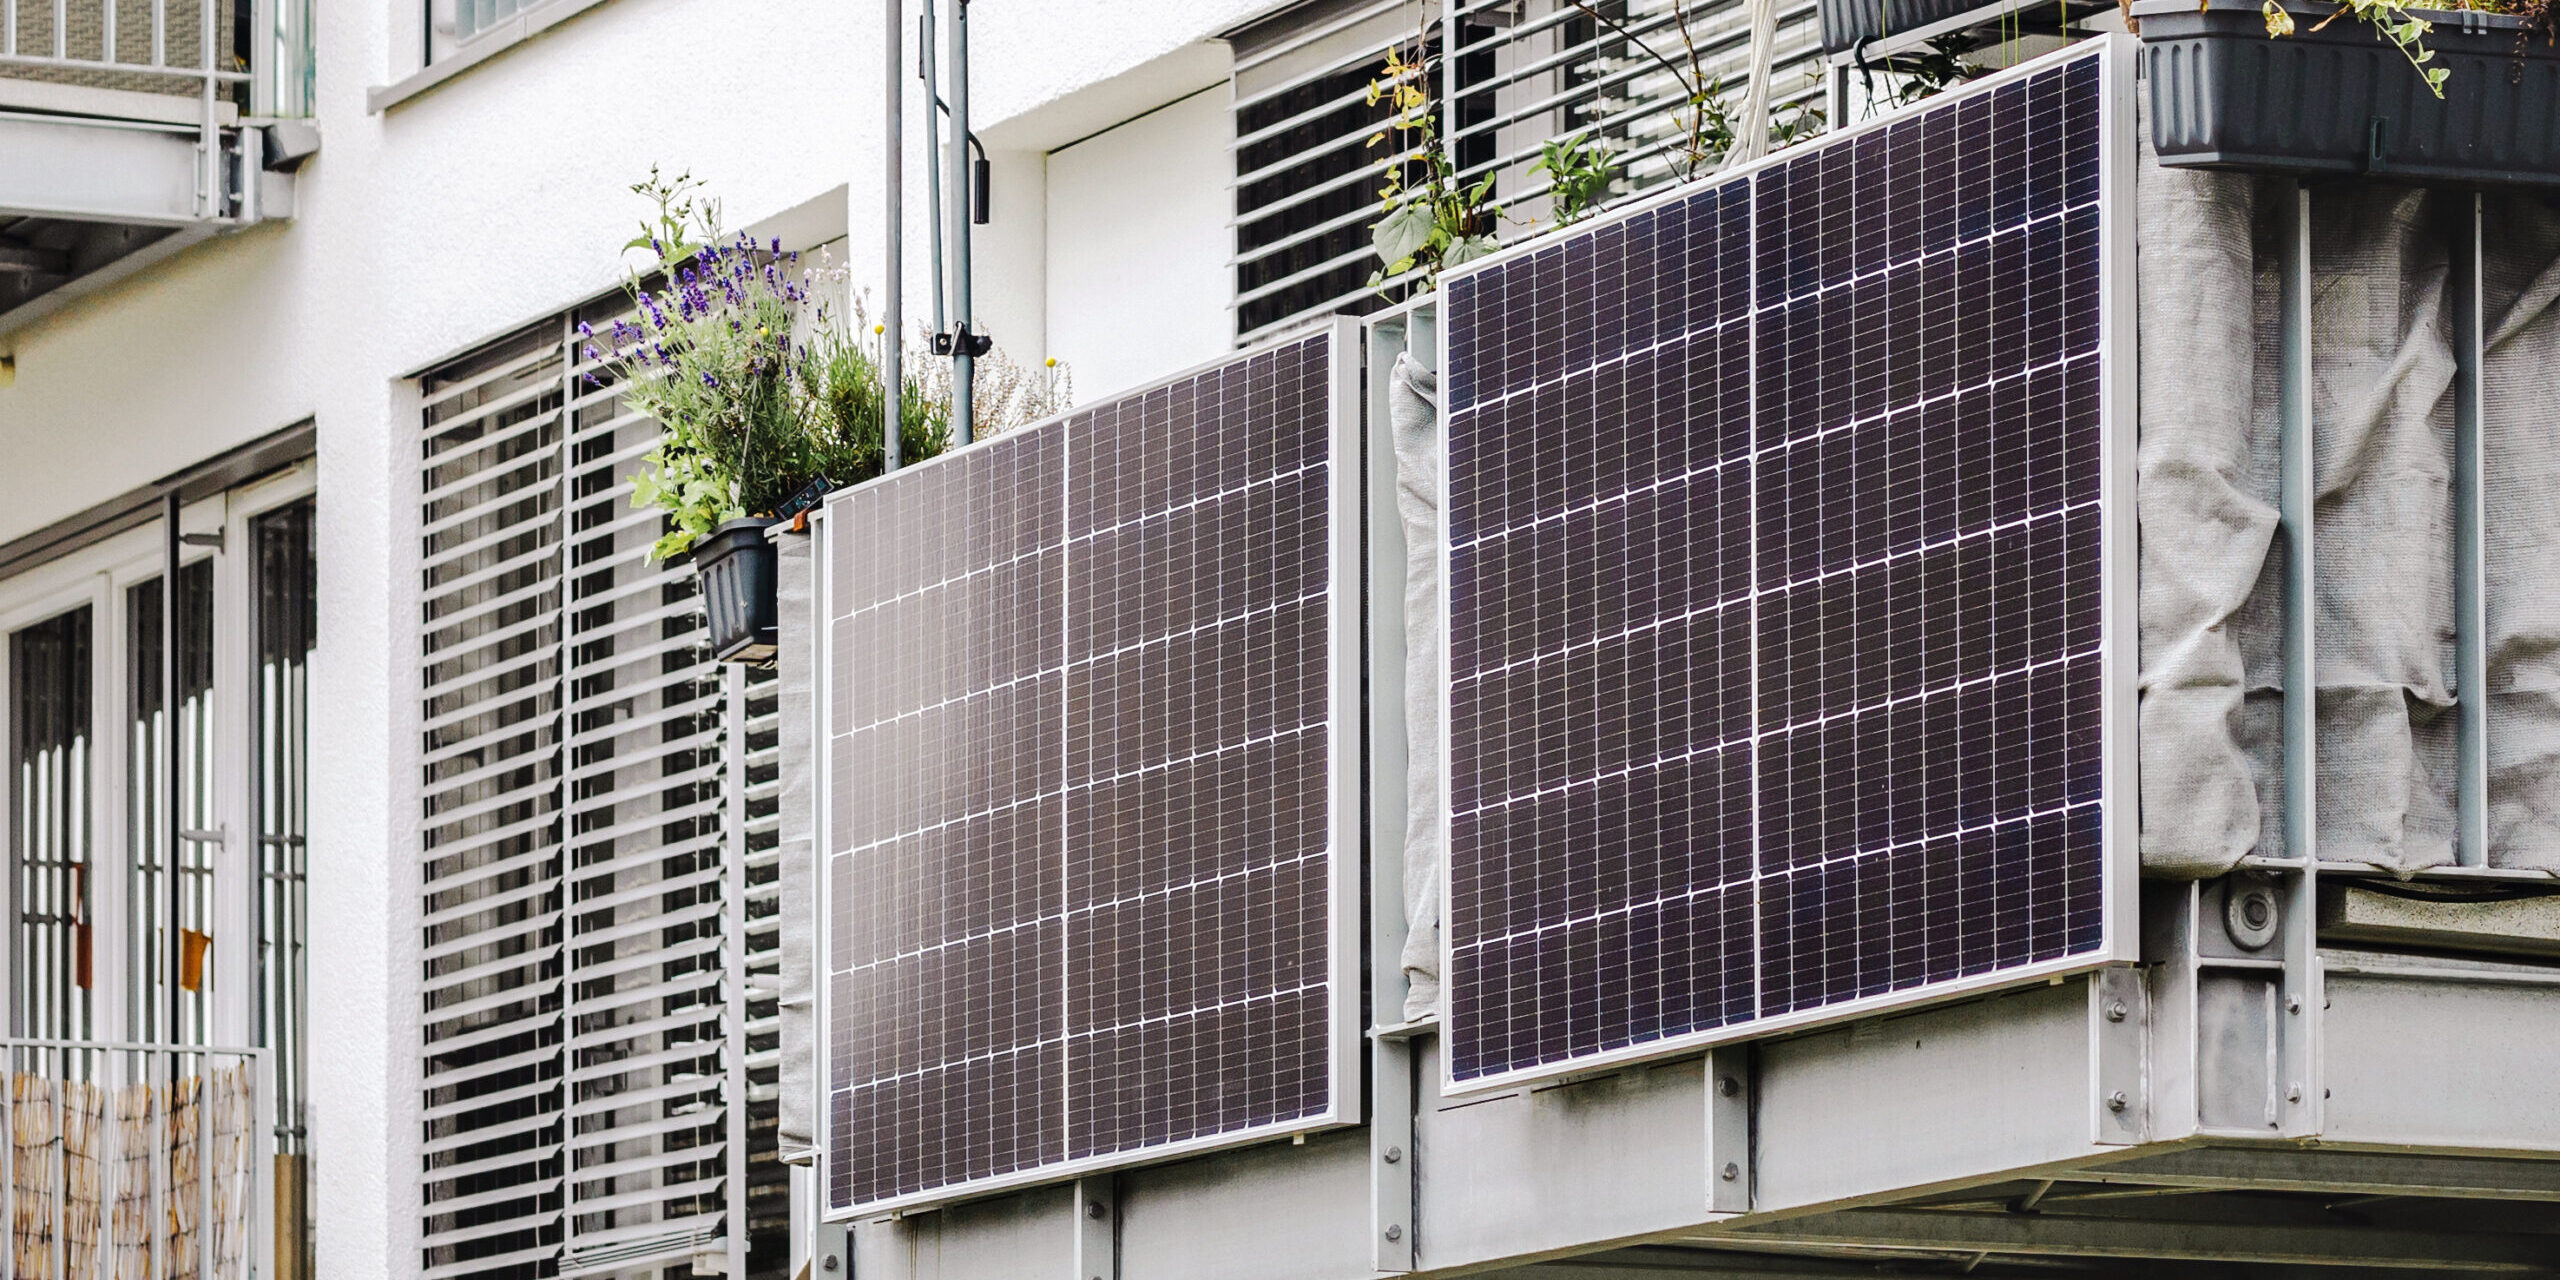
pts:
pixel 1097 1205
pixel 2470 580
pixel 2297 1024
pixel 2055 1236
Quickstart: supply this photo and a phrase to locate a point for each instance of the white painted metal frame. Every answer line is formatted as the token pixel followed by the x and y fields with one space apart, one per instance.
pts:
pixel 1346 819
pixel 2118 635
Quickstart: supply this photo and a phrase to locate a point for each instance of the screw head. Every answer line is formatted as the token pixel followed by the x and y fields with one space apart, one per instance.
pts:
pixel 1732 1172
pixel 1095 1210
pixel 1394 1154
pixel 2117 1101
pixel 1728 1086
pixel 2293 1004
pixel 1395 1232
pixel 2116 1011
pixel 832 1264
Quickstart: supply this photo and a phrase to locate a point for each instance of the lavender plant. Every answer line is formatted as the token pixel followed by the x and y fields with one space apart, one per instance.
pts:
pixel 711 359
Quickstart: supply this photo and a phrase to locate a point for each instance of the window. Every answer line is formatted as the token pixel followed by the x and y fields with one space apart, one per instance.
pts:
pixel 51 956
pixel 454 23
pixel 1521 72
pixel 137 894
pixel 159 1010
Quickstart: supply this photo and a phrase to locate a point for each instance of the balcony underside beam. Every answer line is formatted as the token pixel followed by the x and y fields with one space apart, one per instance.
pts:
pixel 2267 1242
pixel 92 171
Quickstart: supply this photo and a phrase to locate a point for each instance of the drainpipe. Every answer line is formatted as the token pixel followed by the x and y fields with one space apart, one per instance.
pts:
pixel 965 345
pixel 925 67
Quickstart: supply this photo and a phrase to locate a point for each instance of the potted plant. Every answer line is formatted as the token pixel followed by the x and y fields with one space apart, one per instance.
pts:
pixel 2371 87
pixel 766 401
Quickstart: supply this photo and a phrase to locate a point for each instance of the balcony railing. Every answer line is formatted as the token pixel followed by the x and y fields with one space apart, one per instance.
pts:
pixel 135 1160
pixel 132 129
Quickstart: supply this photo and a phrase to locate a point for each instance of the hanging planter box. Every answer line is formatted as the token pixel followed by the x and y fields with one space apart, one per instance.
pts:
pixel 734 568
pixel 1847 22
pixel 2226 95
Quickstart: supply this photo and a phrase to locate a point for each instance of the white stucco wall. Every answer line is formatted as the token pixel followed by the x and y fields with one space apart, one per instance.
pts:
pixel 449 220
pixel 1138 278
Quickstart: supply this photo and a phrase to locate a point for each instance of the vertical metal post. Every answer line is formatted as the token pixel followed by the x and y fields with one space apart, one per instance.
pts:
pixel 1097 1228
pixel 172 822
pixel 2470 578
pixel 733 956
pixel 956 161
pixel 1393 1155
pixel 2297 1032
pixel 929 69
pixel 209 132
pixel 892 314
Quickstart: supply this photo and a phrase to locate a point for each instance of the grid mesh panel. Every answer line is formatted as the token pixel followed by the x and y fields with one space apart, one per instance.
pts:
pixel 1080 742
pixel 1774 589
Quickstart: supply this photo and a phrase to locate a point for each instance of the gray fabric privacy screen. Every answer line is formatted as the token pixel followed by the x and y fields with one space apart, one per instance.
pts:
pixel 1414 400
pixel 795 603
pixel 2382 415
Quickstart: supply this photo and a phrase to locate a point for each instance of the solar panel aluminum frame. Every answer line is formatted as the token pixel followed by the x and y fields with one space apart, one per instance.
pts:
pixel 2119 657
pixel 1346 593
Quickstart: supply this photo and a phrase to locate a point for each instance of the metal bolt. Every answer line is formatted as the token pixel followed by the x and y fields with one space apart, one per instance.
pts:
pixel 2293 1092
pixel 1394 1154
pixel 1395 1233
pixel 831 1263
pixel 1094 1209
pixel 1728 1086
pixel 2116 1011
pixel 1732 1172
pixel 2293 1004
pixel 2117 1101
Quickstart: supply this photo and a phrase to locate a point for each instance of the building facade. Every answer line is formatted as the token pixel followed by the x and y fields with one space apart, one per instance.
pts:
pixel 419 793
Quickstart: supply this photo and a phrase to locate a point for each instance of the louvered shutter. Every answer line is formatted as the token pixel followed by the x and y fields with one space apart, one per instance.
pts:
pixel 491 637
pixel 590 802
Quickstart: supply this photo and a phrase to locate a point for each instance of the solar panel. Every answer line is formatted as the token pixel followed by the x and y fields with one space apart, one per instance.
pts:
pixel 1780 651
pixel 1088 798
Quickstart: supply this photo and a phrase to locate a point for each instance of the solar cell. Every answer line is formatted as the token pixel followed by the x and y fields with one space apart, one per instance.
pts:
pixel 1087 806
pixel 1776 515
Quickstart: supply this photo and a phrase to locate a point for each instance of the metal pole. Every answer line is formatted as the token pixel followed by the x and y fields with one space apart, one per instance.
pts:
pixel 928 68
pixel 2298 1112
pixel 892 315
pixel 2470 582
pixel 171 822
pixel 2298 489
pixel 956 160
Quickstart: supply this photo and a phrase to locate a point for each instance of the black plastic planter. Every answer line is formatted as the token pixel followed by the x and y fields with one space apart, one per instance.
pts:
pixel 1846 22
pixel 2226 95
pixel 735 569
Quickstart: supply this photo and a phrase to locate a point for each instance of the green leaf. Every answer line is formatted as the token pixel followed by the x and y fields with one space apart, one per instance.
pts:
pixel 1402 233
pixel 1467 250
